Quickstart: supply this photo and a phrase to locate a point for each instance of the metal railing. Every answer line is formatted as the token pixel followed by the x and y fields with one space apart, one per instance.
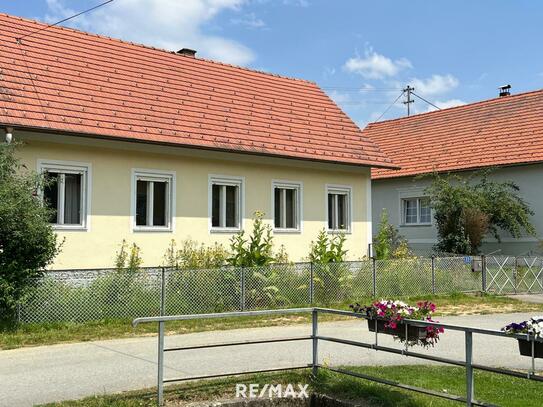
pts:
pixel 467 362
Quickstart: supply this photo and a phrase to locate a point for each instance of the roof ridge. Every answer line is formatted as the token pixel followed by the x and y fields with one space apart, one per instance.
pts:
pixel 466 106
pixel 136 44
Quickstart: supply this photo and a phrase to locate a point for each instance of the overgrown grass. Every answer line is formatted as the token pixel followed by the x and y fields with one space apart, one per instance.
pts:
pixel 52 333
pixel 489 387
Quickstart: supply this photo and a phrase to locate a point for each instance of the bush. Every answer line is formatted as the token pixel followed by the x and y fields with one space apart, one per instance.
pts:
pixel 28 243
pixel 193 255
pixel 332 278
pixel 389 243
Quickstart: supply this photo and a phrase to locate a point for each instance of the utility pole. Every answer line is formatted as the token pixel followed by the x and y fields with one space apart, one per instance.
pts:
pixel 408 101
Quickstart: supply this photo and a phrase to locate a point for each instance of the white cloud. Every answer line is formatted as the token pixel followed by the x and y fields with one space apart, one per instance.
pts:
pixel 168 24
pixel 435 85
pixel 376 66
pixel 446 104
pixel 250 20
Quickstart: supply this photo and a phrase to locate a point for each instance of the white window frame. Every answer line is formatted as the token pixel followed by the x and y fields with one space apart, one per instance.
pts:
pixel 151 175
pixel 341 190
pixel 418 198
pixel 226 180
pixel 70 167
pixel 298 214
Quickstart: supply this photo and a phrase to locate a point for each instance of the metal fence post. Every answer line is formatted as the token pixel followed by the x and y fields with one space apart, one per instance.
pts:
pixel 311 283
pixel 469 369
pixel 315 331
pixel 483 273
pixel 242 294
pixel 162 292
pixel 433 275
pixel 160 376
pixel 18 313
pixel 374 276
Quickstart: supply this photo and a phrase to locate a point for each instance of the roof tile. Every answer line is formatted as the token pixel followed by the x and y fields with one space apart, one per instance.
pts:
pixel 67 80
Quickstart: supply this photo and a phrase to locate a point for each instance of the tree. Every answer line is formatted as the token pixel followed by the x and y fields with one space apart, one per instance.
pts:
pixel 465 210
pixel 28 243
pixel 388 243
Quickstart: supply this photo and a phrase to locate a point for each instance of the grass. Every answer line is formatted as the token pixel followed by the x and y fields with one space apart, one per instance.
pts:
pixel 53 333
pixel 489 387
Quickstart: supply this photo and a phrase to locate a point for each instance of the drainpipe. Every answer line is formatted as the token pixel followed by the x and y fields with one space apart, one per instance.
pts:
pixel 9 135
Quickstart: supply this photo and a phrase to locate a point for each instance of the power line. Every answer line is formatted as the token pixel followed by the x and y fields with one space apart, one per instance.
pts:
pixel 392 104
pixel 424 100
pixel 19 39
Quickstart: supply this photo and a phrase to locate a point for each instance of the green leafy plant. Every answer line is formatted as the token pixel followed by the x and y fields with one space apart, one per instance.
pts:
pixel 193 255
pixel 465 210
pixel 388 243
pixel 331 276
pixel 257 250
pixel 128 258
pixel 28 243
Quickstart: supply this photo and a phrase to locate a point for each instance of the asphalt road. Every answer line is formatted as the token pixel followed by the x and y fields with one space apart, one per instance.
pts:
pixel 38 375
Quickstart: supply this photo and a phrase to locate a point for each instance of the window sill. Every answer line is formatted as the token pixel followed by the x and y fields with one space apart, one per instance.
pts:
pixel 152 229
pixel 406 225
pixel 225 230
pixel 339 231
pixel 287 231
pixel 75 228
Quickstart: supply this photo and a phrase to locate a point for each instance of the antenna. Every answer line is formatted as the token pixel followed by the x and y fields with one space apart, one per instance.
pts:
pixel 408 99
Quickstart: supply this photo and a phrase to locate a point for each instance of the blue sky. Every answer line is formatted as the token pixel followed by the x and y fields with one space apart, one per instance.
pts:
pixel 361 52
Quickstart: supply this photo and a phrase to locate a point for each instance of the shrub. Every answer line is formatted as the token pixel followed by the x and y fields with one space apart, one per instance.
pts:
pixel 128 260
pixel 28 243
pixel 389 243
pixel 193 255
pixel 465 211
pixel 257 250
pixel 332 278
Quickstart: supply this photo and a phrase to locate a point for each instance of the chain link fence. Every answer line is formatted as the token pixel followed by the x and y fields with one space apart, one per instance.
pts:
pixel 86 295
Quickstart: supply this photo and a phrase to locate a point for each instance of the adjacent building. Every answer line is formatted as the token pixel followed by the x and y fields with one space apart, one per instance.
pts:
pixel 505 133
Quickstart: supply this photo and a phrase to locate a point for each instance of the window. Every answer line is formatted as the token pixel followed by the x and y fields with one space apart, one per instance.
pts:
pixel 65 192
pixel 225 203
pixel 153 200
pixel 286 206
pixel 416 211
pixel 339 208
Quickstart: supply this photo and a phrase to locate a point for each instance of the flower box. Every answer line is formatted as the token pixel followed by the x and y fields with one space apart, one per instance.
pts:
pixel 414 333
pixel 525 348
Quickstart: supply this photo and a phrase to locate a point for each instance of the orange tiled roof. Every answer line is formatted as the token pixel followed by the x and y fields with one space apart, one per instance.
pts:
pixel 501 131
pixel 70 81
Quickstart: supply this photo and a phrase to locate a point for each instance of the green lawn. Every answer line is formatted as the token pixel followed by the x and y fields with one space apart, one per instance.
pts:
pixel 52 333
pixel 489 387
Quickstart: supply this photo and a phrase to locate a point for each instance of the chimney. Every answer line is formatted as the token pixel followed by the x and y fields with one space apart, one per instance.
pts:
pixel 187 51
pixel 505 90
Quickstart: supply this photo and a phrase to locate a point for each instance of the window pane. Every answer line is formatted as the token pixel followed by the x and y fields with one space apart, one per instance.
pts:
pixel 290 208
pixel 425 211
pixel 72 199
pixel 231 206
pixel 277 207
pixel 410 210
pixel 331 211
pixel 159 203
pixel 50 194
pixel 141 203
pixel 342 211
pixel 215 205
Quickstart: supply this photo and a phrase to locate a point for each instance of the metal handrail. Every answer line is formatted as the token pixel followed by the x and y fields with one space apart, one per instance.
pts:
pixel 315 338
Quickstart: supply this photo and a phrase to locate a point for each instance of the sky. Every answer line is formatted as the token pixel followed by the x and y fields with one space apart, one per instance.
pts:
pixel 362 53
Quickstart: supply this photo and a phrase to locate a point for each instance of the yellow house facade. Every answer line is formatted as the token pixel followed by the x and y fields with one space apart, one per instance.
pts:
pixel 148 146
pixel 108 197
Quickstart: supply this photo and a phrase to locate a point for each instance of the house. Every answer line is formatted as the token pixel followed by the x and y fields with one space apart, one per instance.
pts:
pixel 505 133
pixel 148 145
